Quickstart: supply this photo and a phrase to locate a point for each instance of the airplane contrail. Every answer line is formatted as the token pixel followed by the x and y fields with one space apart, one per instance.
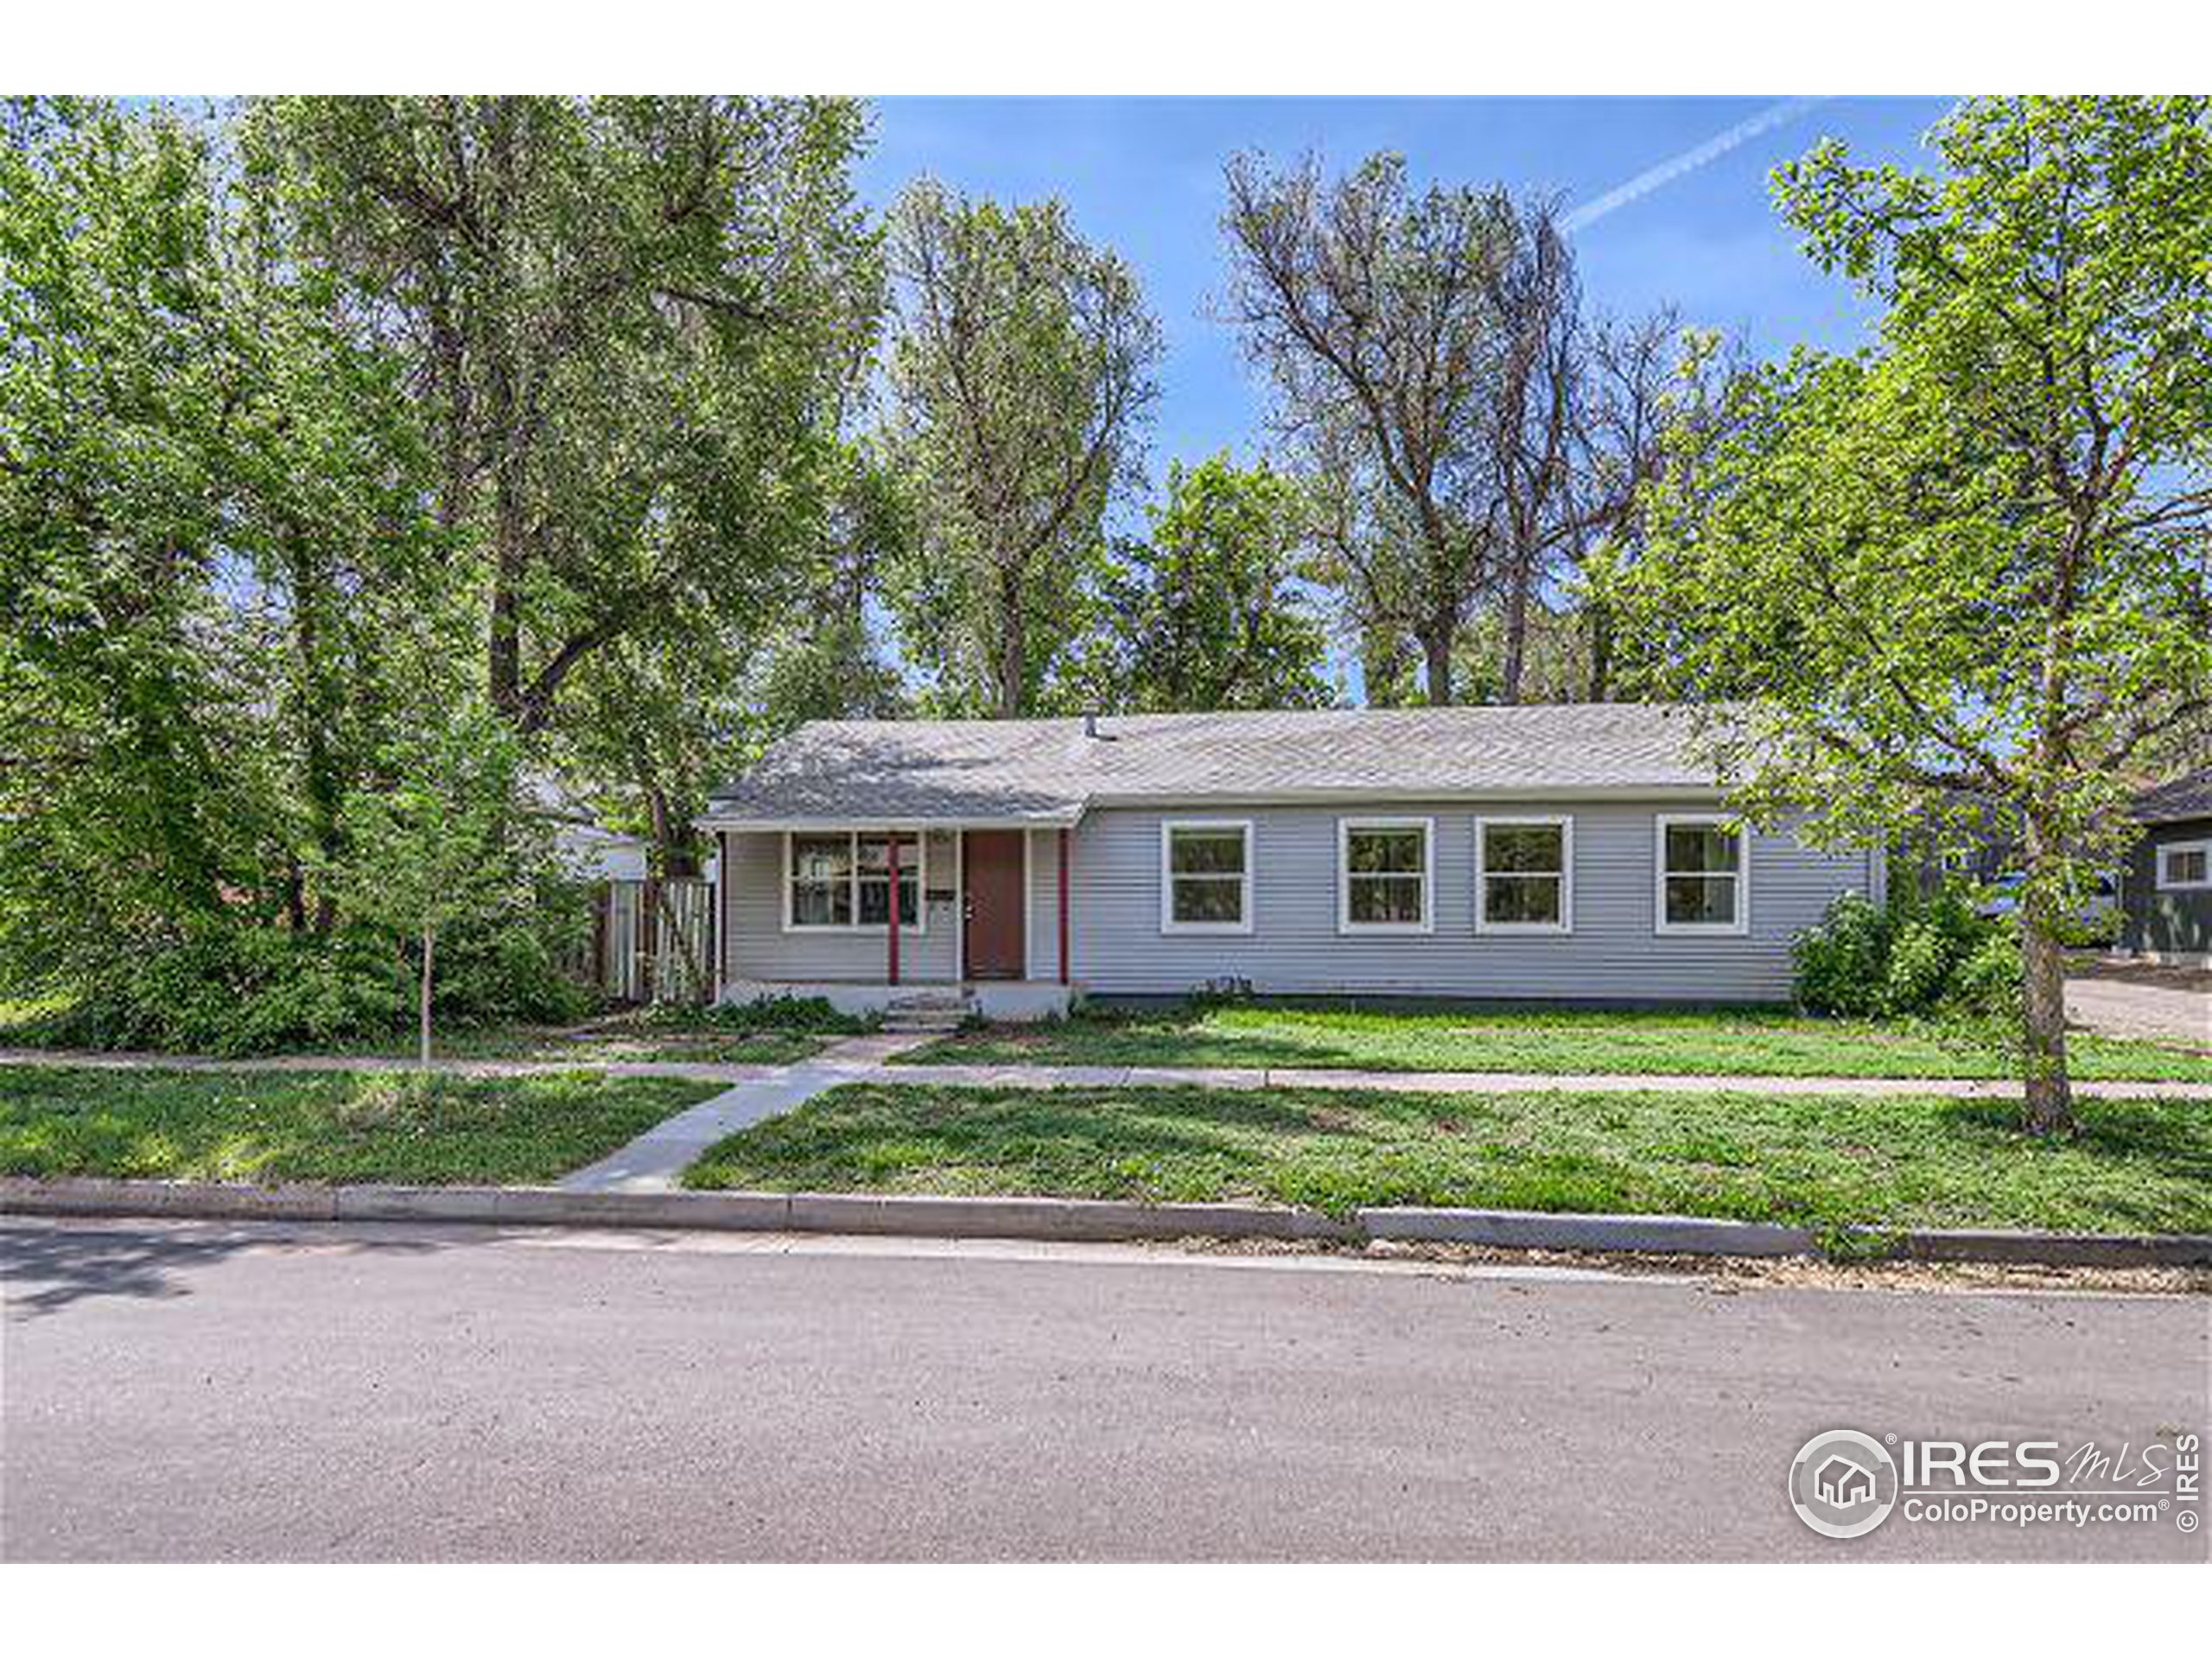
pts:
pixel 1688 162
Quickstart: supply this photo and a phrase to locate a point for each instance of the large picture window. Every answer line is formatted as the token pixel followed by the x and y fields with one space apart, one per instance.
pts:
pixel 1524 875
pixel 1386 867
pixel 1206 876
pixel 842 879
pixel 1704 874
pixel 2185 864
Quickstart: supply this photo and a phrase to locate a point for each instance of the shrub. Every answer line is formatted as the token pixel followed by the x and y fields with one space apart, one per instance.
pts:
pixel 240 987
pixel 801 1013
pixel 1842 963
pixel 237 989
pixel 1916 958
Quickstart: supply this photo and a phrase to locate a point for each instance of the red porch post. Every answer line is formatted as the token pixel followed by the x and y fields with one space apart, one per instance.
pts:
pixel 1064 905
pixel 891 845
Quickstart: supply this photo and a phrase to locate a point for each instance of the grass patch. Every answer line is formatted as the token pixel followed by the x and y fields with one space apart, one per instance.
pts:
pixel 333 1127
pixel 771 1033
pixel 1717 1043
pixel 1826 1162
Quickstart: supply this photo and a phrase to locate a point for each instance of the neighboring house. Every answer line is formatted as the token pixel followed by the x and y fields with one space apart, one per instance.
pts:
pixel 1567 854
pixel 2166 896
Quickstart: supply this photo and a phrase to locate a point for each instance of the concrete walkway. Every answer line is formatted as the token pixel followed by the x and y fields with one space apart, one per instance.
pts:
pixel 697 1071
pixel 656 1160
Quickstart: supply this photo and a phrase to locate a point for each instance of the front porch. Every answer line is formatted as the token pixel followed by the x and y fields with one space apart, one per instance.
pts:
pixel 881 916
pixel 996 999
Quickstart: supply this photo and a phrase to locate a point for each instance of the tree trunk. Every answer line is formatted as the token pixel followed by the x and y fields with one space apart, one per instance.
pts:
pixel 1601 650
pixel 2049 1107
pixel 1516 635
pixel 509 561
pixel 1014 644
pixel 1436 656
pixel 2050 1094
pixel 423 1011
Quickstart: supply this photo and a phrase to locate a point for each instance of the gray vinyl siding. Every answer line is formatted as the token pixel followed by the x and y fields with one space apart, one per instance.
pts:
pixel 2171 923
pixel 1045 901
pixel 756 947
pixel 1294 947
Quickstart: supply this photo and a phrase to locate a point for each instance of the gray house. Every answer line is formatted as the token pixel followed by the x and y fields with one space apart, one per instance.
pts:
pixel 1574 854
pixel 2166 891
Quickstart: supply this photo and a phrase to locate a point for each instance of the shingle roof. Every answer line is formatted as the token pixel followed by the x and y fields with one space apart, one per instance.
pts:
pixel 2189 797
pixel 1048 770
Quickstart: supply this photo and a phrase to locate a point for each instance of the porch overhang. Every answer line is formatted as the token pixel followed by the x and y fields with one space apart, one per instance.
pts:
pixel 907 822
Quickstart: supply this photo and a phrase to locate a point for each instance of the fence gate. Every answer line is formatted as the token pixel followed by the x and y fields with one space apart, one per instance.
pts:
pixel 654 941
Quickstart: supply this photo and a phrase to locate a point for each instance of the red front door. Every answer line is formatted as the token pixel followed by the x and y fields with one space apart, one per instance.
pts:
pixel 993 904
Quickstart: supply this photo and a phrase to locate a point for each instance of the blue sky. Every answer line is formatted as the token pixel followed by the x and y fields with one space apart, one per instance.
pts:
pixel 1144 176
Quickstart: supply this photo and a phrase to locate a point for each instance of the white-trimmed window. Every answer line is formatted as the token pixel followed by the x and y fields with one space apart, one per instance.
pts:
pixel 840 881
pixel 1704 870
pixel 2184 865
pixel 1524 875
pixel 1206 875
pixel 1386 875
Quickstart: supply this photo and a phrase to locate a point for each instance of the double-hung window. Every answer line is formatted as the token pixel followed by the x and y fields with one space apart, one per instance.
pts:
pixel 1386 875
pixel 1206 875
pixel 1704 874
pixel 842 879
pixel 1524 875
pixel 2184 865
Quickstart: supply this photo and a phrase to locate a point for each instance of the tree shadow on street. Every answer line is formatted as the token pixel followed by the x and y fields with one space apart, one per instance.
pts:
pixel 44 1269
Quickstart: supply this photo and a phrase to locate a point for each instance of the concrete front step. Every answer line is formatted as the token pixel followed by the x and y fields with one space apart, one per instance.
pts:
pixel 933 1012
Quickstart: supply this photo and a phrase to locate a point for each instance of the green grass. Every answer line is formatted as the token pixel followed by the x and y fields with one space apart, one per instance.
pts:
pixel 1749 1043
pixel 719 1037
pixel 1826 1162
pixel 597 1047
pixel 333 1127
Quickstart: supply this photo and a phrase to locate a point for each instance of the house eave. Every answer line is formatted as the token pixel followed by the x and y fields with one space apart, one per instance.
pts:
pixel 712 821
pixel 1519 793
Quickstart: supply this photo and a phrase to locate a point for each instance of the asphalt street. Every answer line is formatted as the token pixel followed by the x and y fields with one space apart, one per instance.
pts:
pixel 194 1392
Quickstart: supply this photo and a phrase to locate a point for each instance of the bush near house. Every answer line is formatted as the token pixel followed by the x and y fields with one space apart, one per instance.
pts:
pixel 1912 959
pixel 236 989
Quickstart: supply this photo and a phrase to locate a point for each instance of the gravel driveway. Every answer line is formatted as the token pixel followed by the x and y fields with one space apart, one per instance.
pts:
pixel 2126 1000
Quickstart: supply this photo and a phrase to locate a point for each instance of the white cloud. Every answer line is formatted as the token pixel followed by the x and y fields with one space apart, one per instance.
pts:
pixel 1688 162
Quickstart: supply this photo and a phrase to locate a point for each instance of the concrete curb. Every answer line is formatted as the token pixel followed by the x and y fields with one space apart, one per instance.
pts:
pixel 1063 1219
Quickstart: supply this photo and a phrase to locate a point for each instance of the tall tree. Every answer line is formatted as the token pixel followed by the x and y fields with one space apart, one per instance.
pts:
pixel 208 528
pixel 1656 399
pixel 1022 366
pixel 1968 569
pixel 625 318
pixel 1535 424
pixel 1205 612
pixel 1372 309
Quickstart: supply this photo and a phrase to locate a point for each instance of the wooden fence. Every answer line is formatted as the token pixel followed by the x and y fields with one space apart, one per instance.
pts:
pixel 653 941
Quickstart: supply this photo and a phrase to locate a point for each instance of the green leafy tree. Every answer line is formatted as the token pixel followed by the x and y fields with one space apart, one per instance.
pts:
pixel 437 848
pixel 1966 572
pixel 209 520
pixel 627 321
pixel 1022 368
pixel 1206 612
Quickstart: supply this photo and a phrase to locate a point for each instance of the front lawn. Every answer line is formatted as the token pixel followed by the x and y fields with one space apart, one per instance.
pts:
pixel 717 1036
pixel 1824 1162
pixel 341 1127
pixel 1748 1043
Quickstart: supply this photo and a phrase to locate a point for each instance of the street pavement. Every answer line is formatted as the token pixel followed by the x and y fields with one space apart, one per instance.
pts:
pixel 196 1391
